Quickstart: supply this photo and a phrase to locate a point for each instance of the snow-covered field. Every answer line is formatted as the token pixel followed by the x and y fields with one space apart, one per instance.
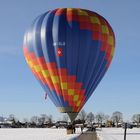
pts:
pixel 118 134
pixel 36 134
pixel 60 134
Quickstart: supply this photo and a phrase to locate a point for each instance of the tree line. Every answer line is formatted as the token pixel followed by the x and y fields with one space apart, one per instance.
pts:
pixel 114 120
pixel 100 119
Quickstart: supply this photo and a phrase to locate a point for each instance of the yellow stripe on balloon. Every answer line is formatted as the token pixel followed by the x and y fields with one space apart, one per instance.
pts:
pixel 105 29
pixel 45 73
pixel 70 91
pixel 78 103
pixel 112 51
pixel 95 20
pixel 76 97
pixel 55 79
pixel 69 9
pixel 64 86
pixel 31 64
pixel 110 40
pixel 37 68
pixel 82 13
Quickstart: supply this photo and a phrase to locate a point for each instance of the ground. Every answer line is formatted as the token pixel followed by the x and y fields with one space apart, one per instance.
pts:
pixel 60 134
pixel 118 134
pixel 87 136
pixel 35 134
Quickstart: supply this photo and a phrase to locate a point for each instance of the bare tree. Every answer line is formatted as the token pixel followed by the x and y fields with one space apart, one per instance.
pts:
pixel 117 117
pixel 2 119
pixel 12 118
pixel 90 117
pixel 136 119
pixel 50 118
pixel 100 118
pixel 43 118
pixel 82 115
pixel 107 117
pixel 34 119
pixel 25 120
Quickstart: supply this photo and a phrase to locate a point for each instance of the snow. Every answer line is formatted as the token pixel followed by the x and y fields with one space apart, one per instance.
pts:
pixel 60 134
pixel 118 134
pixel 36 134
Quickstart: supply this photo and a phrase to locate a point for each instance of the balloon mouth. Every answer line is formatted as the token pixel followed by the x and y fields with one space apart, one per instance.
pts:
pixel 72 116
pixel 69 110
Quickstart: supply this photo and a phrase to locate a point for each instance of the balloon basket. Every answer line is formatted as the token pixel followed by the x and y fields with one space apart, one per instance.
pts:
pixel 69 131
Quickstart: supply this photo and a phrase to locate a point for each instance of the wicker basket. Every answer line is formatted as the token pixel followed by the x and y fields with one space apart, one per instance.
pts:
pixel 69 131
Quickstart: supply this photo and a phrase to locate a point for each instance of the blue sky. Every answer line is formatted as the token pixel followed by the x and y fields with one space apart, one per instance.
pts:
pixel 20 93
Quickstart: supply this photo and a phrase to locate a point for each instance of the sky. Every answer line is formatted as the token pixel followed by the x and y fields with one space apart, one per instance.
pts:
pixel 119 90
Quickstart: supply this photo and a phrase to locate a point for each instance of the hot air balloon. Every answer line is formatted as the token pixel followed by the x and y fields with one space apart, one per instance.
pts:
pixel 69 50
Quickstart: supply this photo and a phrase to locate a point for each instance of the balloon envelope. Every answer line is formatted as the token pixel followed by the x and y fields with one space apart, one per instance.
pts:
pixel 69 51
